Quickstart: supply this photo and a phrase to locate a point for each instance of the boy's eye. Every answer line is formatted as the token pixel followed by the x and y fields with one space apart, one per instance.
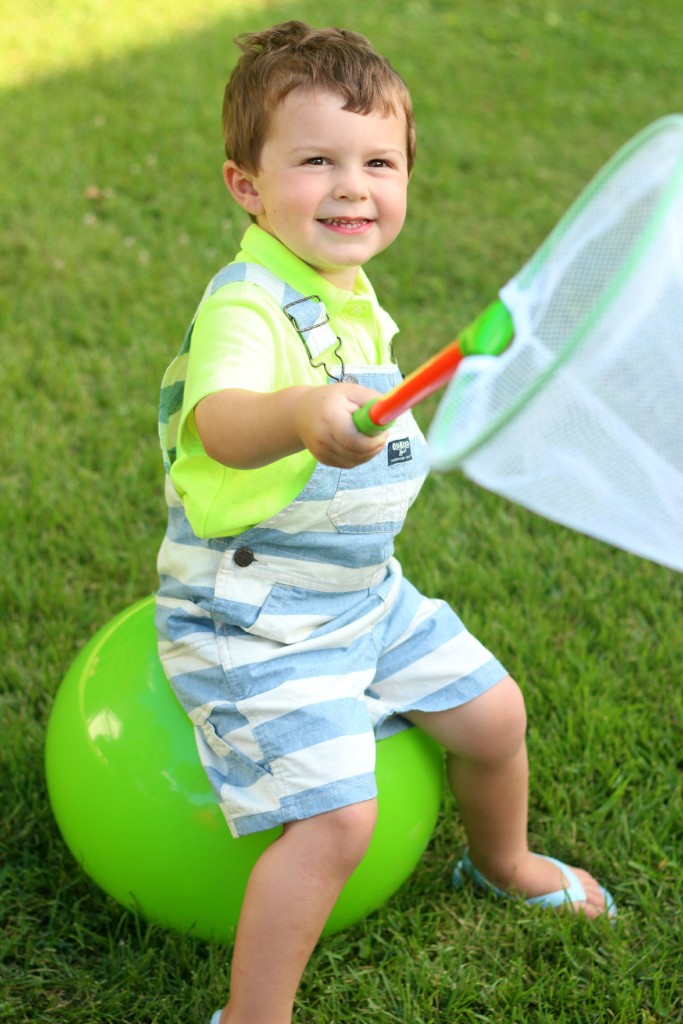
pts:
pixel 316 161
pixel 378 162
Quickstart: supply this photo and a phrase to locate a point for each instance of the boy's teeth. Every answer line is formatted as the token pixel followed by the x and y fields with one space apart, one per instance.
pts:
pixel 345 220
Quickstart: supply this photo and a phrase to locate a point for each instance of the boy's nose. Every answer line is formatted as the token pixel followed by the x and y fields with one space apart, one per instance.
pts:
pixel 351 186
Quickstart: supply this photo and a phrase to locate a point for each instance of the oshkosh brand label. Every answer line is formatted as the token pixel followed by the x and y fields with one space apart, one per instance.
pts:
pixel 399 451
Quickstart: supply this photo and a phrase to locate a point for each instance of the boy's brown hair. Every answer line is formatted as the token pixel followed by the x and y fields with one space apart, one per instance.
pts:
pixel 293 56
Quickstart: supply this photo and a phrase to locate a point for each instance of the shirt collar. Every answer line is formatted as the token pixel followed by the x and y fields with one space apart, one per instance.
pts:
pixel 263 248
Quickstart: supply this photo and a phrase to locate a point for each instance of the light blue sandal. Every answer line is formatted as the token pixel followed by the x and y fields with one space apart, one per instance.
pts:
pixel 216 1017
pixel 573 892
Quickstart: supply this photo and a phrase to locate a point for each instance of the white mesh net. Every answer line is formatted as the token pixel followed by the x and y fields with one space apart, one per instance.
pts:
pixel 581 419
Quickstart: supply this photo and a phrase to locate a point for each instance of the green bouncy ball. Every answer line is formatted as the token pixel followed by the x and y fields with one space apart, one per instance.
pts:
pixel 136 809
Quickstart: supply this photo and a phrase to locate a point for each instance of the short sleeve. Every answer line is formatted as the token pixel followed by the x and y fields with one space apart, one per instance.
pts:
pixel 240 339
pixel 232 345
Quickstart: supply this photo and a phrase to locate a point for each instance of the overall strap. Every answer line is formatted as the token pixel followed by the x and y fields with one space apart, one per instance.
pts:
pixel 306 313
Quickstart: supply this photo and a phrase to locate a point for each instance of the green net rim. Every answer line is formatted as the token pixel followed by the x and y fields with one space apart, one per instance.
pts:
pixel 540 257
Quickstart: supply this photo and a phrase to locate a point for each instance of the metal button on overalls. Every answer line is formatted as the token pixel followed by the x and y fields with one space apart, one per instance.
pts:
pixel 243 557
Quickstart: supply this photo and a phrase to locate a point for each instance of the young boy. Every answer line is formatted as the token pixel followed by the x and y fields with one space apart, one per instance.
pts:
pixel 286 628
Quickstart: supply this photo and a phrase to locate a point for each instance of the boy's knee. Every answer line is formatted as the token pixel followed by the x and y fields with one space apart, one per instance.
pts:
pixel 488 729
pixel 503 721
pixel 349 831
pixel 340 838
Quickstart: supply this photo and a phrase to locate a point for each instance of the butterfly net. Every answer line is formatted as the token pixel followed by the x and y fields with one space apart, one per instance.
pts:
pixel 581 418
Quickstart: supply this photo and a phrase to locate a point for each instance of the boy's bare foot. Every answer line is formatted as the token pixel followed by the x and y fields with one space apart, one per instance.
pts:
pixel 542 881
pixel 545 876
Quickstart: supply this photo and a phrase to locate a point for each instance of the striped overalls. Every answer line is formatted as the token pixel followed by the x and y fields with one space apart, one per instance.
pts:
pixel 298 643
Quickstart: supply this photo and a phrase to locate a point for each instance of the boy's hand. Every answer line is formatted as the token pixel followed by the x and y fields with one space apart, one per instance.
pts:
pixel 323 420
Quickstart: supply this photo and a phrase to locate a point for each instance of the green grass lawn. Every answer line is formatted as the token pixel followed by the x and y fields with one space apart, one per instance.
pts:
pixel 112 218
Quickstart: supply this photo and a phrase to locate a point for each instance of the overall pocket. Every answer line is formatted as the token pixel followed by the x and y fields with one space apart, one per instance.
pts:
pixel 376 497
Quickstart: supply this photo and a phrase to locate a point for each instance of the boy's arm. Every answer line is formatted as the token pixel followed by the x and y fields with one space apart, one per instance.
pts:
pixel 248 429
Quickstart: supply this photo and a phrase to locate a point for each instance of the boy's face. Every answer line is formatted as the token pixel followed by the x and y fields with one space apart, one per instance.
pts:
pixel 332 184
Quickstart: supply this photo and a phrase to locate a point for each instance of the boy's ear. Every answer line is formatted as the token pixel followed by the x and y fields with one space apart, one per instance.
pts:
pixel 240 185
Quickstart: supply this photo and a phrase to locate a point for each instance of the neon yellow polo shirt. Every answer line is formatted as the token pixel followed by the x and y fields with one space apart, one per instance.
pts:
pixel 242 339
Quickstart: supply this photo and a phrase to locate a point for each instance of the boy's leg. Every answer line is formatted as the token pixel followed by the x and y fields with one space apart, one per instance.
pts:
pixel 291 891
pixel 488 773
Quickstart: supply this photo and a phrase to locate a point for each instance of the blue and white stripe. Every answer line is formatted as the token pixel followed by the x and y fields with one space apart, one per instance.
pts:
pixel 295 644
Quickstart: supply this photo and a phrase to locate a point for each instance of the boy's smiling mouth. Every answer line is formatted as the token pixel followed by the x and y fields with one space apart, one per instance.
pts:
pixel 346 224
